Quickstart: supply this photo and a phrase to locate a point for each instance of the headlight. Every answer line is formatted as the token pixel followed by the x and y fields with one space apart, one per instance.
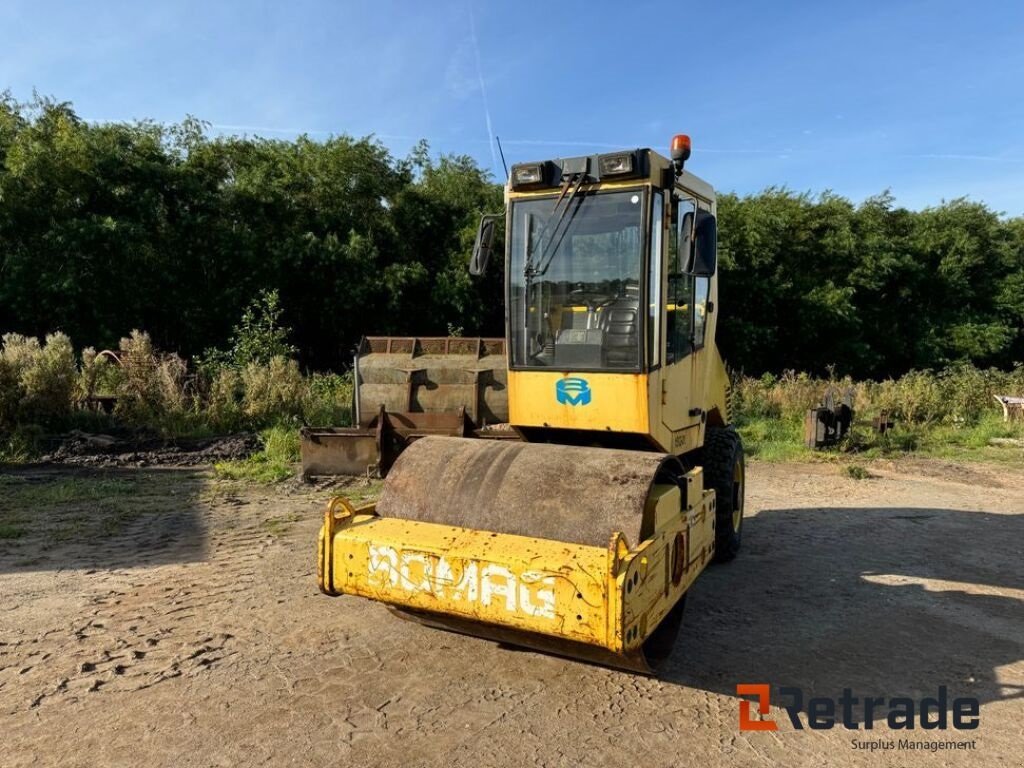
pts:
pixel 614 165
pixel 525 175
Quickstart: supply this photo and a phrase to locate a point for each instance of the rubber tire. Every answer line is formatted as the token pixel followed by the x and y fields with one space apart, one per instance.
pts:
pixel 723 449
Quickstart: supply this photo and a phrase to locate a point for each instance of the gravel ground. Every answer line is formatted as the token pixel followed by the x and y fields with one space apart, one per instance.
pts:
pixel 160 617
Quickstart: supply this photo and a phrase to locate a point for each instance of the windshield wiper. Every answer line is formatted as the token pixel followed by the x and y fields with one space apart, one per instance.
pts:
pixel 528 267
pixel 561 207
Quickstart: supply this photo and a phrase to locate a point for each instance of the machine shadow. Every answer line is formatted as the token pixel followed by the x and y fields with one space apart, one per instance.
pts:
pixel 55 518
pixel 827 599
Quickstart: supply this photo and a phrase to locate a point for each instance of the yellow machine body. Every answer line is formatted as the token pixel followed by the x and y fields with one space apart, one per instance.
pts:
pixel 583 538
pixel 626 402
pixel 609 599
pixel 531 403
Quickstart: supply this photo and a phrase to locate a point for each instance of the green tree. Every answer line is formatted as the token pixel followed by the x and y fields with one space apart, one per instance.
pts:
pixel 108 228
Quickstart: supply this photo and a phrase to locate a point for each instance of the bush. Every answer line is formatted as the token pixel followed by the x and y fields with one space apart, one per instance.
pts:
pixel 264 394
pixel 10 391
pixel 258 338
pixel 150 385
pixel 37 381
pixel 224 400
pixel 787 397
pixel 41 383
pixel 95 374
pixel 328 400
pixel 273 391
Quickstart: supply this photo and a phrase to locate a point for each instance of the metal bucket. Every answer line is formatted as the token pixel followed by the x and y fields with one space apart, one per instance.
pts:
pixel 407 388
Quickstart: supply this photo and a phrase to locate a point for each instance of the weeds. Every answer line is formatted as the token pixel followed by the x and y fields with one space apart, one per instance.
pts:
pixel 959 395
pixel 772 439
pixel 274 463
pixel 21 443
pixel 278 526
pixel 856 472
pixel 9 530
pixel 37 380
pixel 150 385
pixel 272 391
pixel 329 399
pixel 253 384
pixel 43 388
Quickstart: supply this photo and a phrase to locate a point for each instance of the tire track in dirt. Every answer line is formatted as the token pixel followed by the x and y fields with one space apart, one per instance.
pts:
pixel 140 624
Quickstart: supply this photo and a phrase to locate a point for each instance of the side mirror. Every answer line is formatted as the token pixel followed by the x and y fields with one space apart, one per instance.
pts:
pixel 703 258
pixel 686 242
pixel 484 243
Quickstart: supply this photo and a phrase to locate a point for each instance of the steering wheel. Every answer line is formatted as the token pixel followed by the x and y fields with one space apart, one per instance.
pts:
pixel 593 304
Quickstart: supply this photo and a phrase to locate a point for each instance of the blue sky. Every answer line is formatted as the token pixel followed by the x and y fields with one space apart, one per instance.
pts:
pixel 923 98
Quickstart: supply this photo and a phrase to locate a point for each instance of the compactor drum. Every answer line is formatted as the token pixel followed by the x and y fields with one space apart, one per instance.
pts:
pixel 619 479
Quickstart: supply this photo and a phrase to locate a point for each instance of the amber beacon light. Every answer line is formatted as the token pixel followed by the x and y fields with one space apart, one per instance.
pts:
pixel 680 150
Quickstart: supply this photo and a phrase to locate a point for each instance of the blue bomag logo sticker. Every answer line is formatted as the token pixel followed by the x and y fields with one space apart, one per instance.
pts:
pixel 572 391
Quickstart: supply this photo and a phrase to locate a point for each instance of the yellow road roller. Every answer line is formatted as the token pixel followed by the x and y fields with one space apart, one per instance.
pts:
pixel 579 526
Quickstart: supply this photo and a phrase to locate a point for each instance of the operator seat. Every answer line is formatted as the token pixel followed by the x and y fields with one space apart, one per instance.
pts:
pixel 620 322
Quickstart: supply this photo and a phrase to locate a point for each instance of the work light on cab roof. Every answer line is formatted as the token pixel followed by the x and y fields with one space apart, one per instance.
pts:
pixel 620 163
pixel 527 175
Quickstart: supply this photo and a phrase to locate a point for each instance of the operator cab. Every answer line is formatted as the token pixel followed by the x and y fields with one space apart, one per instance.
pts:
pixel 588 241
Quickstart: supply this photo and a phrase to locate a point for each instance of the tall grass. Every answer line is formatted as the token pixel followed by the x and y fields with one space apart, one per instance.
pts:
pixel 46 388
pixel 951 412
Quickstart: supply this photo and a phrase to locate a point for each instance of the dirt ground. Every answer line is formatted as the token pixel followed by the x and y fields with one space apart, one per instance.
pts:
pixel 132 449
pixel 159 617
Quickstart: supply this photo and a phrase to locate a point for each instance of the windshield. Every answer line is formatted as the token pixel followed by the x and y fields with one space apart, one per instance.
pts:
pixel 574 282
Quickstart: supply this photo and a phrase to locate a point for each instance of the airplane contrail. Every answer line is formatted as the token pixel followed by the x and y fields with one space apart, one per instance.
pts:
pixel 569 142
pixel 483 88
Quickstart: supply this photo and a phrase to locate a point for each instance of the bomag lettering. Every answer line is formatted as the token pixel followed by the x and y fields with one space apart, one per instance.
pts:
pixel 488 584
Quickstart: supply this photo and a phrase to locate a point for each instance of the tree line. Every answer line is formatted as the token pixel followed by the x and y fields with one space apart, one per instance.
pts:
pixel 105 228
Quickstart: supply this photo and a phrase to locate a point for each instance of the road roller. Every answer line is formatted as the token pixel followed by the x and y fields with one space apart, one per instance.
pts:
pixel 578 527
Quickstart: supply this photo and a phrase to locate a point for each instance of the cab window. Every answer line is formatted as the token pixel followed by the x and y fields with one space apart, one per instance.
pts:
pixel 679 298
pixel 701 285
pixel 654 286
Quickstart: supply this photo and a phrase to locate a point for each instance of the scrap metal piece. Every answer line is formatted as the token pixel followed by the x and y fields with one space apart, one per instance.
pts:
pixel 1013 407
pixel 883 423
pixel 829 422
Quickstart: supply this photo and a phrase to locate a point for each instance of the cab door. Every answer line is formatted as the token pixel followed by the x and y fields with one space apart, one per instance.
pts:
pixel 702 332
pixel 678 371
